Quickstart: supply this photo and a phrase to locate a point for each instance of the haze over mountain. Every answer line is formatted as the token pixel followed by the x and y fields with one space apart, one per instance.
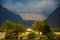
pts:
pixel 5 14
pixel 54 18
pixel 44 7
pixel 32 16
pixel 26 11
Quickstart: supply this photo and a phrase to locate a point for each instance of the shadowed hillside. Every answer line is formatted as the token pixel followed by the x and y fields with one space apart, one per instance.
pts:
pixel 5 14
pixel 54 18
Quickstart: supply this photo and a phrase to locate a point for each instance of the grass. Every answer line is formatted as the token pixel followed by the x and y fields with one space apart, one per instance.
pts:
pixel 55 29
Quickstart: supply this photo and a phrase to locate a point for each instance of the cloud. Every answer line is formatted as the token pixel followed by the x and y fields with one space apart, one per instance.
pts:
pixel 1 2
pixel 32 6
pixel 33 16
pixel 39 6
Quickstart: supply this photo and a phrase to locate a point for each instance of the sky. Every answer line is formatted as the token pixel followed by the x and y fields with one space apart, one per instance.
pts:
pixel 44 7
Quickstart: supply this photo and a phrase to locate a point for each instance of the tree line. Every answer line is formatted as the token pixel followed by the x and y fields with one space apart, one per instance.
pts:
pixel 15 29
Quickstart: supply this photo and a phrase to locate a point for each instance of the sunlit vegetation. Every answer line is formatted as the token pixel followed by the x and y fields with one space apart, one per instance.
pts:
pixel 38 31
pixel 55 29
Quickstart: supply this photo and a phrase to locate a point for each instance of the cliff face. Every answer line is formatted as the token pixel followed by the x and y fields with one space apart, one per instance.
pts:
pixel 53 19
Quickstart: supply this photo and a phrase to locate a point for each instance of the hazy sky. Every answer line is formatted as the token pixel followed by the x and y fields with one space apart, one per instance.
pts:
pixel 31 6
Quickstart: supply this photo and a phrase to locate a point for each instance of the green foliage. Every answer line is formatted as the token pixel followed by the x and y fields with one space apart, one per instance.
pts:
pixel 38 26
pixel 55 29
pixel 8 26
pixel 12 28
pixel 19 28
pixel 50 35
pixel 46 29
pixel 15 29
pixel 31 36
pixel 57 37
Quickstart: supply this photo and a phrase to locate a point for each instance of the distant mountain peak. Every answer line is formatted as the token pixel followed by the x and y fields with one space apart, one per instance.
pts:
pixel 6 14
pixel 54 18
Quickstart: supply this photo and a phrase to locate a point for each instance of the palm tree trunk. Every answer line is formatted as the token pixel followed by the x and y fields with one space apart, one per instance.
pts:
pixel 14 37
pixel 19 36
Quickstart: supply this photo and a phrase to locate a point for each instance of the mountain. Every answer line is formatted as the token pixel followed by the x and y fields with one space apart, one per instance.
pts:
pixel 53 19
pixel 6 14
pixel 27 23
